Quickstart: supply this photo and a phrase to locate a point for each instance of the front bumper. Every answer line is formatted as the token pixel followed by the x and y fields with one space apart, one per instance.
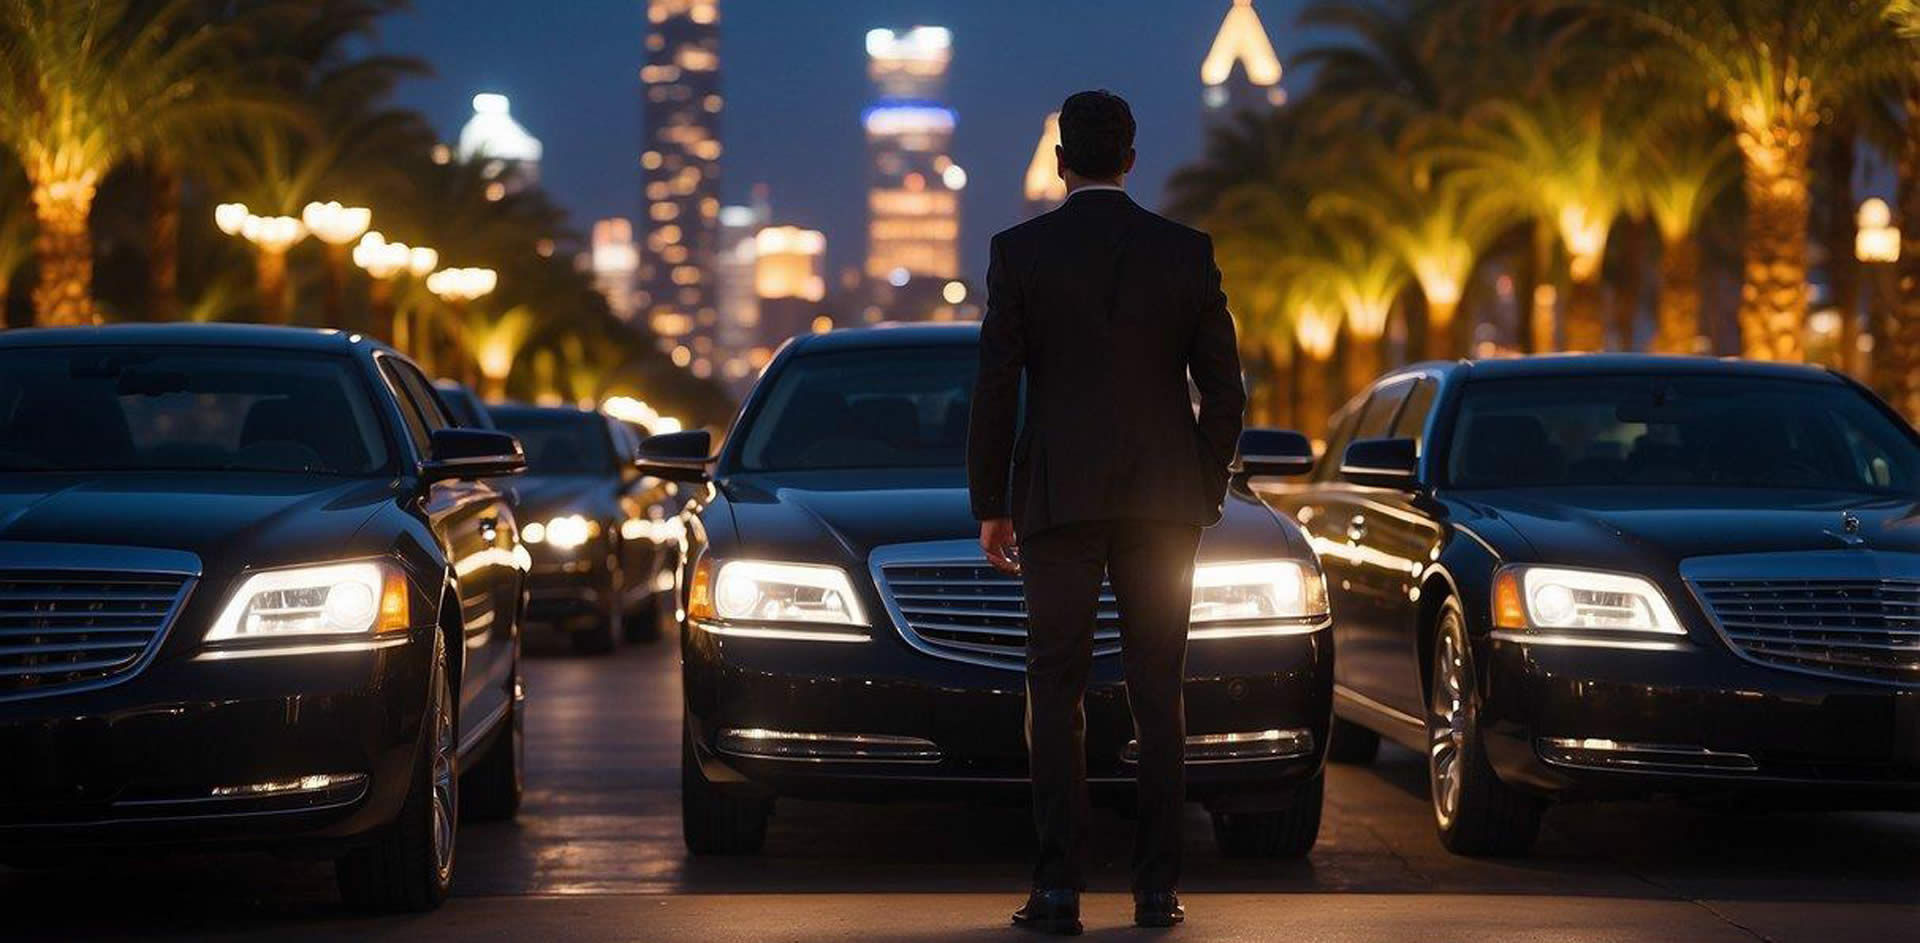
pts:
pixel 935 727
pixel 1697 720
pixel 565 590
pixel 280 751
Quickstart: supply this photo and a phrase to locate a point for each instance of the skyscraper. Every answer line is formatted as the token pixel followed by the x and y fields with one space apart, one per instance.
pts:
pixel 1044 189
pixel 613 258
pixel 681 171
pixel 1241 71
pixel 508 154
pixel 913 197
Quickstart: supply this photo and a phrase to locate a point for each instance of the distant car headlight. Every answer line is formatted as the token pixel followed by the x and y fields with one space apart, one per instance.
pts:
pixel 1261 597
pixel 330 599
pixel 1560 604
pixel 767 592
pixel 566 532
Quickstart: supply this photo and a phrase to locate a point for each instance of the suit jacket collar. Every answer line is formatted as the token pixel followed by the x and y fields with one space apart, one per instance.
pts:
pixel 1098 194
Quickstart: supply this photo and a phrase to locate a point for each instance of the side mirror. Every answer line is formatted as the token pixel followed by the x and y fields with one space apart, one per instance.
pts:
pixel 677 456
pixel 472 453
pixel 1383 463
pixel 1267 452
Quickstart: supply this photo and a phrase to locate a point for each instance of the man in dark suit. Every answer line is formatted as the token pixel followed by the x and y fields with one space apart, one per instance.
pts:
pixel 1105 310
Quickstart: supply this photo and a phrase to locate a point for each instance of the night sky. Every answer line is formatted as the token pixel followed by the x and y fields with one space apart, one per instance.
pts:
pixel 795 83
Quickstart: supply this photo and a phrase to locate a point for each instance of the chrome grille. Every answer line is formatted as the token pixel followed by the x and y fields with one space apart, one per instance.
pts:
pixel 1863 628
pixel 948 601
pixel 64 629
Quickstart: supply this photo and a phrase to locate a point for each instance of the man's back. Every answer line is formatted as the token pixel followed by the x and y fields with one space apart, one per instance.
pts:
pixel 1106 307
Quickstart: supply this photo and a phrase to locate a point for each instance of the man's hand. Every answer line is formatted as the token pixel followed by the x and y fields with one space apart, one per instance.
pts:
pixel 1002 548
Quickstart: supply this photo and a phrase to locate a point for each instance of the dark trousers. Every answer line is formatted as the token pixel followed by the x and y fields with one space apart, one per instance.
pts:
pixel 1150 564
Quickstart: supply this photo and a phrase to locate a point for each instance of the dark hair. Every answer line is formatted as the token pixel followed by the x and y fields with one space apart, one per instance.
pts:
pixel 1096 132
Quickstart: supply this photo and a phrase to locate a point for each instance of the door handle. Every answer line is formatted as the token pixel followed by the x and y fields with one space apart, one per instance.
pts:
pixel 1357 527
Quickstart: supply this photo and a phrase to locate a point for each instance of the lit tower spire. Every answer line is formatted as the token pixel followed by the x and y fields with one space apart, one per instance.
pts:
pixel 1241 70
pixel 1044 188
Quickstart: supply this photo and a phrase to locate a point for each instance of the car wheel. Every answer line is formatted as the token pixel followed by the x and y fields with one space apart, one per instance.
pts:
pixel 645 621
pixel 601 636
pixel 1475 812
pixel 492 789
pixel 715 823
pixel 1352 744
pixel 410 866
pixel 1286 833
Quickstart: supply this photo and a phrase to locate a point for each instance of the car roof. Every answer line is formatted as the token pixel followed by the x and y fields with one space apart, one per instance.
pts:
pixel 956 334
pixel 194 335
pixel 1572 365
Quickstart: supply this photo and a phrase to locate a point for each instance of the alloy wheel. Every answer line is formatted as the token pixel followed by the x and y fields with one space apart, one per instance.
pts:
pixel 1447 726
pixel 444 800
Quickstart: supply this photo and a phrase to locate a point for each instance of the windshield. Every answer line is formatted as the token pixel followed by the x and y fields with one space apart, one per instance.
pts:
pixel 560 442
pixel 1720 431
pixel 207 409
pixel 891 408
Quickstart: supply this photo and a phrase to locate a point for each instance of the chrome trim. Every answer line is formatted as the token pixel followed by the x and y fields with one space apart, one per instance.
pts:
pixel 1597 753
pixel 371 645
pixel 794 746
pixel 791 635
pixel 1858 564
pixel 950 553
pixel 1558 640
pixel 1265 630
pixel 1251 746
pixel 106 563
pixel 1393 713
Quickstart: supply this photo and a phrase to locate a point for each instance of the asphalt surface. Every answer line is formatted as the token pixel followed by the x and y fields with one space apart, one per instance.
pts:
pixel 596 855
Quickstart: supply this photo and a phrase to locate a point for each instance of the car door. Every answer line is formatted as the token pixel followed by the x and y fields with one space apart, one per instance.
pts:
pixel 1398 539
pixel 471 520
pixel 632 534
pixel 1357 581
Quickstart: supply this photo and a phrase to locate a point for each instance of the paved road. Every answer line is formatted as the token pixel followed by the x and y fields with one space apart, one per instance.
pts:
pixel 596 855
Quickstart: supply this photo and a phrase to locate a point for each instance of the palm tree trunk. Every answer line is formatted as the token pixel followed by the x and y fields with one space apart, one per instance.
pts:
pixel 1362 362
pixel 1310 404
pixel 1677 320
pixel 271 270
pixel 163 241
pixel 1630 286
pixel 64 248
pixel 1440 329
pixel 1586 323
pixel 1773 302
pixel 1843 270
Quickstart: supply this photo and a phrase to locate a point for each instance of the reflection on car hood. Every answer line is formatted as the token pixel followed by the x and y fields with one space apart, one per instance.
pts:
pixel 544 496
pixel 212 514
pixel 1576 525
pixel 827 515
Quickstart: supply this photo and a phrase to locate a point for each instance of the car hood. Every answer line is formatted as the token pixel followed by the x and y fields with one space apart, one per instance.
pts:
pixel 539 497
pixel 848 515
pixel 259 518
pixel 1622 526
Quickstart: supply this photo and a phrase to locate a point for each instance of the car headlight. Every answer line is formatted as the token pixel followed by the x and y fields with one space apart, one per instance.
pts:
pixel 1262 597
pixel 331 599
pixel 762 591
pixel 1568 601
pixel 565 532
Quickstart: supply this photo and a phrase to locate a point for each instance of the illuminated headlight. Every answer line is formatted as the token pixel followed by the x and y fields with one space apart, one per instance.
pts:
pixel 763 591
pixel 565 532
pixel 1250 598
pixel 1553 598
pixel 363 598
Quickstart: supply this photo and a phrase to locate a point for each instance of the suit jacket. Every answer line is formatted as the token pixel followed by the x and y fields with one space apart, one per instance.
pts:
pixel 1105 309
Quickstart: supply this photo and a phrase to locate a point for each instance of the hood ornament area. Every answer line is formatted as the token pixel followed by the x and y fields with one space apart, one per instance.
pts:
pixel 1849 534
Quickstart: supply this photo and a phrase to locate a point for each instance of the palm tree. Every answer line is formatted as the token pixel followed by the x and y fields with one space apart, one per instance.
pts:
pixel 1364 278
pixel 1900 342
pixel 86 83
pixel 1684 170
pixel 16 229
pixel 1773 68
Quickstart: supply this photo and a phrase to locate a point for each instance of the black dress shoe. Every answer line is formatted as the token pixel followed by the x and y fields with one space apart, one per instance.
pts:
pixel 1158 909
pixel 1056 912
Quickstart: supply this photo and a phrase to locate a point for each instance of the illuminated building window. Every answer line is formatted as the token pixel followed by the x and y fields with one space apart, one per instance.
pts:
pixel 650 160
pixel 713 104
pixel 665 211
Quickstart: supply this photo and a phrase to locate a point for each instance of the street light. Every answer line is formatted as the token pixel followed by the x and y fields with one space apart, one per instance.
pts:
pixel 337 226
pixel 1877 246
pixel 457 287
pixel 272 236
pixel 384 262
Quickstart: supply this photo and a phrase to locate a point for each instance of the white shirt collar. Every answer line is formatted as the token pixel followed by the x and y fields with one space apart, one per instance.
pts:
pixel 1091 187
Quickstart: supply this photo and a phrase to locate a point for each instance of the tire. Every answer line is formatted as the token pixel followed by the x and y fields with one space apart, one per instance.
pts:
pixel 1475 813
pixel 1351 744
pixel 713 822
pixel 409 867
pixel 492 789
pixel 1287 833
pixel 603 636
pixel 646 623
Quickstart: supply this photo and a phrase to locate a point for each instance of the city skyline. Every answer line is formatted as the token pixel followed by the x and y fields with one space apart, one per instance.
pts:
pixel 803 72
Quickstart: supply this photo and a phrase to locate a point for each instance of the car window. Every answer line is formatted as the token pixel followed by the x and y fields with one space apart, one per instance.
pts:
pixel 1342 423
pixel 409 410
pixel 433 411
pixel 561 441
pixel 1381 409
pixel 903 408
pixel 211 409
pixel 1412 423
pixel 1717 431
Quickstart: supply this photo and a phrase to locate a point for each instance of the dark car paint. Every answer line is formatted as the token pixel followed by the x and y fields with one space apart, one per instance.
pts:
pixel 194 718
pixel 1819 740
pixel 975 713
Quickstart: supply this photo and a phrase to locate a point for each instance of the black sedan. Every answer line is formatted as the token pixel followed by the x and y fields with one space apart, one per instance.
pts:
pixel 846 639
pixel 1618 576
pixel 251 596
pixel 601 548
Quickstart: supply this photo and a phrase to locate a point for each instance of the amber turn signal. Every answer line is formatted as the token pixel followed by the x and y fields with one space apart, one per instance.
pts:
pixel 1509 611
